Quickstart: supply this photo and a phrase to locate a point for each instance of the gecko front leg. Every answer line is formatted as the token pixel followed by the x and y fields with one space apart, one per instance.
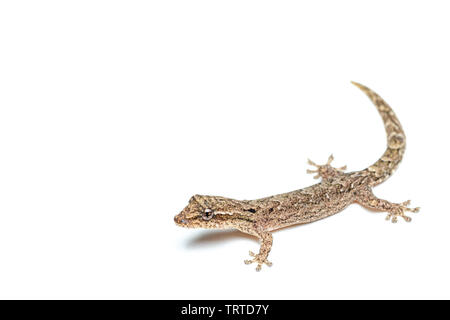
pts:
pixel 367 199
pixel 261 257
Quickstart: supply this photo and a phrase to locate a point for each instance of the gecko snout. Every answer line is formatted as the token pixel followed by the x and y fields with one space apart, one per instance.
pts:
pixel 180 219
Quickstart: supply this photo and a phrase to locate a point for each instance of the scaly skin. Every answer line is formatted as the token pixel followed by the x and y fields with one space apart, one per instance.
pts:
pixel 334 193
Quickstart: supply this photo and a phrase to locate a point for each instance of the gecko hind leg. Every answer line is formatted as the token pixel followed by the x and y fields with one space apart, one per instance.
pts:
pixel 400 212
pixel 325 170
pixel 367 199
pixel 261 257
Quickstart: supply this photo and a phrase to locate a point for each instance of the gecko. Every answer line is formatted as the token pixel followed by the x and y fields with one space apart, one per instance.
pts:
pixel 336 190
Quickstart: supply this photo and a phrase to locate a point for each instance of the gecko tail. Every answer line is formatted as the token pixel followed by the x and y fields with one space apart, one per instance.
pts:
pixel 396 140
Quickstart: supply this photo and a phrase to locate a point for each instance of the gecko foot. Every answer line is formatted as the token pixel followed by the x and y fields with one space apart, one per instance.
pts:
pixel 325 170
pixel 399 211
pixel 259 260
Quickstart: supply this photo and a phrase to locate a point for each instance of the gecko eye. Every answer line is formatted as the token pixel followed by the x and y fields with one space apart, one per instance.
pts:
pixel 207 214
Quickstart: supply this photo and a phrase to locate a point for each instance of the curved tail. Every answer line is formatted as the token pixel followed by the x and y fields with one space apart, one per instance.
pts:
pixel 396 140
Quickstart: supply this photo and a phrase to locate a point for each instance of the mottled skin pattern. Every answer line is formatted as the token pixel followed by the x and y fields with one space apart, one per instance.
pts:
pixel 335 192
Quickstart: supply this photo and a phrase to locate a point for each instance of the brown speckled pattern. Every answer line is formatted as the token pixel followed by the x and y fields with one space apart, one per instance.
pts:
pixel 334 193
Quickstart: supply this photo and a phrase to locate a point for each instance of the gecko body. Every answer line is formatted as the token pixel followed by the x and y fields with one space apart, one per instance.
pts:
pixel 336 190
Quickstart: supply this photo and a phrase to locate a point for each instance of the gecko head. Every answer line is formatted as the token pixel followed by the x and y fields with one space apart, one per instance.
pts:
pixel 209 212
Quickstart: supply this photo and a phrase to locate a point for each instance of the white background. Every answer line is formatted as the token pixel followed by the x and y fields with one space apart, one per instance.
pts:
pixel 114 113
